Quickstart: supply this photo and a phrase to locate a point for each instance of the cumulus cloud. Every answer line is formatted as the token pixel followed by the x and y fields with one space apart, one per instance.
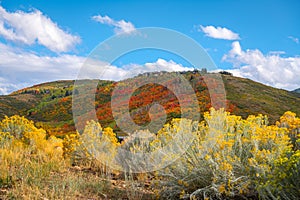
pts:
pixel 6 86
pixel 219 33
pixel 120 27
pixel 19 69
pixel 270 69
pixel 159 65
pixel 111 72
pixel 32 27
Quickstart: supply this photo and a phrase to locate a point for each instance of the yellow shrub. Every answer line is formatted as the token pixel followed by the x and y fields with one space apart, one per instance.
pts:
pixel 23 130
pixel 98 146
pixel 70 144
pixel 17 126
pixel 230 157
pixel 24 150
pixel 292 123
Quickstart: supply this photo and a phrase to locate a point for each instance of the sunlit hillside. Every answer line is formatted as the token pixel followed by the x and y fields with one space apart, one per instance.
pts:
pixel 49 104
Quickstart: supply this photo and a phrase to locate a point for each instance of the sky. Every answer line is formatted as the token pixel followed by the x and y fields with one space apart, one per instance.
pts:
pixel 44 41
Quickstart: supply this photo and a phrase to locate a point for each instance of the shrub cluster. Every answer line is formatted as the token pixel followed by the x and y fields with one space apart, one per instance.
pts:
pixel 222 157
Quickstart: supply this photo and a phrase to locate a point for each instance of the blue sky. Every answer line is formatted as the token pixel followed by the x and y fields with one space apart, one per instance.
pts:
pixel 49 40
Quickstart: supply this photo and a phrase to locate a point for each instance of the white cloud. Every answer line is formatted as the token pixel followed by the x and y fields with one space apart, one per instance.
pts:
pixel 296 40
pixel 159 65
pixel 163 65
pixel 270 69
pixel 19 69
pixel 111 72
pixel 219 33
pixel 120 27
pixel 33 27
pixel 277 52
pixel 7 87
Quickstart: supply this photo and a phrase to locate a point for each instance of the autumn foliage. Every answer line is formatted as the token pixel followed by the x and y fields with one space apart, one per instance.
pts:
pixel 227 157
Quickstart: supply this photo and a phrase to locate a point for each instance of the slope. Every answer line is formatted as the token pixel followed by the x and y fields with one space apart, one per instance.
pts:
pixel 49 104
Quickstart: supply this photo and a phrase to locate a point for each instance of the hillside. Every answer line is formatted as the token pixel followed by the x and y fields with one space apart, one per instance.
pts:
pixel 297 90
pixel 49 104
pixel 252 98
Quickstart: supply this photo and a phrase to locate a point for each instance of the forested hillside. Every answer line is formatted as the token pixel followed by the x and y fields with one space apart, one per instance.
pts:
pixel 49 104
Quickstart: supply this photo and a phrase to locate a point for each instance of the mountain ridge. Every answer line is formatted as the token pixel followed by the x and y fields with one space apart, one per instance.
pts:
pixel 50 104
pixel 297 90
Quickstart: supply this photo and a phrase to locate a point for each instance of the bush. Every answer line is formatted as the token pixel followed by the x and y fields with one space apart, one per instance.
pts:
pixel 283 179
pixel 229 158
pixel 25 153
pixel 97 148
pixel 222 157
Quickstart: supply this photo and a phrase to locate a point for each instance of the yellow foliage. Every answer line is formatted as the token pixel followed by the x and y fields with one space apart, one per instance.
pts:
pixel 222 156
pixel 70 143
pixel 26 154
pixel 230 155
pixel 22 132
pixel 17 126
pixel 292 123
pixel 98 145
